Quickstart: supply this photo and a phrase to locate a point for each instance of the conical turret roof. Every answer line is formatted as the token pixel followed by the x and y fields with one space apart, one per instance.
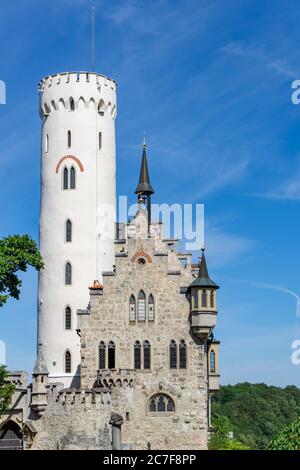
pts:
pixel 203 279
pixel 40 366
pixel 144 186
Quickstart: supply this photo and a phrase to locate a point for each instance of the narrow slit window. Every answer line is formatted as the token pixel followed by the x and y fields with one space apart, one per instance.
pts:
pixel 151 308
pixel 173 355
pixel 100 140
pixel 68 274
pixel 72 178
pixel 182 355
pixel 212 361
pixel 69 139
pixel 212 299
pixel 102 355
pixel 137 355
pixel 111 355
pixel 68 318
pixel 132 309
pixel 72 104
pixel 68 231
pixel 66 178
pixel 47 144
pixel 147 355
pixel 204 298
pixel 68 362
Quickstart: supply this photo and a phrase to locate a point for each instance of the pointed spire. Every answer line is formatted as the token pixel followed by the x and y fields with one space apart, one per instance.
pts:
pixel 144 187
pixel 203 279
pixel 40 364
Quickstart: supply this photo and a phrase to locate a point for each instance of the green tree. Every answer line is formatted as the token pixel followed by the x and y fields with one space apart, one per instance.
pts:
pixel 6 390
pixel 17 252
pixel 220 439
pixel 288 438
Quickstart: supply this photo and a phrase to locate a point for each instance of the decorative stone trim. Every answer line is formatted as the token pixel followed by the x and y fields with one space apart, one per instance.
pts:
pixel 72 158
pixel 141 254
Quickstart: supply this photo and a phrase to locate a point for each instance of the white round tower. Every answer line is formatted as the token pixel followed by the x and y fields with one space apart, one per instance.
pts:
pixel 77 214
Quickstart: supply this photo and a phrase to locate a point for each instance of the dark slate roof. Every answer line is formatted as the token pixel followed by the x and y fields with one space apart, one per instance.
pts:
pixel 203 279
pixel 40 364
pixel 144 186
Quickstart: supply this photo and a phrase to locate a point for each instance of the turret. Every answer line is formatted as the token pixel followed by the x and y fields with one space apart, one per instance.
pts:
pixel 39 384
pixel 203 302
pixel 144 189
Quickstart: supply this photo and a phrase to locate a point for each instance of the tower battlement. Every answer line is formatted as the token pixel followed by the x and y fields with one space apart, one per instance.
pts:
pixel 76 398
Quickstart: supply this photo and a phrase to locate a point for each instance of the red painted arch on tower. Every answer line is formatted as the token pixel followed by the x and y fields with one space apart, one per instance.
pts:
pixel 72 158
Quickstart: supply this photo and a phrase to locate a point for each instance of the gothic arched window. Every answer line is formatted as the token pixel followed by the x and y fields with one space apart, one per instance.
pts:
pixel 173 355
pixel 147 354
pixel 65 178
pixel 68 274
pixel 182 354
pixel 142 306
pixel 101 355
pixel 151 308
pixel 68 236
pixel 137 355
pixel 69 139
pixel 111 355
pixel 132 309
pixel 72 178
pixel 204 298
pixel 212 361
pixel 212 299
pixel 68 318
pixel 68 362
pixel 161 403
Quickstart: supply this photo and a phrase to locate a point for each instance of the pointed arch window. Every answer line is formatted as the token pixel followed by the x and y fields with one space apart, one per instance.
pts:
pixel 101 355
pixel 142 306
pixel 204 298
pixel 161 403
pixel 68 274
pixel 137 355
pixel 173 355
pixel 72 104
pixel 68 362
pixel 182 354
pixel 151 308
pixel 66 178
pixel 132 309
pixel 212 299
pixel 111 355
pixel 68 318
pixel 68 235
pixel 147 354
pixel 69 139
pixel 72 178
pixel 212 361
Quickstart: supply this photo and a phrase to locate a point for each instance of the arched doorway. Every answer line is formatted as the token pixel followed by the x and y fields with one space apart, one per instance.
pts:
pixel 11 436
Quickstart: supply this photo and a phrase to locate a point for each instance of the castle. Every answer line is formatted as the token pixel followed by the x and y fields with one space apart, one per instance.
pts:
pixel 127 361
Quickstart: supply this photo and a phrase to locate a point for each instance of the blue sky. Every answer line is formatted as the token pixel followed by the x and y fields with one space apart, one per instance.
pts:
pixel 210 81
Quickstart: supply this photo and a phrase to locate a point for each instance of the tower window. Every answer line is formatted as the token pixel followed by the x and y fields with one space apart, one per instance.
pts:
pixel 147 355
pixel 151 308
pixel 68 236
pixel 195 297
pixel 68 274
pixel 69 139
pixel 182 355
pixel 132 309
pixel 100 140
pixel 111 355
pixel 212 300
pixel 204 298
pixel 102 355
pixel 66 178
pixel 173 355
pixel 72 178
pixel 161 403
pixel 142 306
pixel 68 362
pixel 72 104
pixel 137 355
pixel 212 361
pixel 68 318
pixel 47 144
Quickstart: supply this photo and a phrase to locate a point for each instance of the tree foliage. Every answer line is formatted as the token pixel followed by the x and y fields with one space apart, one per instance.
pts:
pixel 257 412
pixel 6 390
pixel 17 252
pixel 220 439
pixel 288 438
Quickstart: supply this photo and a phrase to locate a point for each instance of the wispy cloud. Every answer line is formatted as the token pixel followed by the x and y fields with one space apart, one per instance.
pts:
pixel 258 53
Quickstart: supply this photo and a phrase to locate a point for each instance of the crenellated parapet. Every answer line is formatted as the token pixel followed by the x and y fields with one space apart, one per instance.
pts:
pixel 86 398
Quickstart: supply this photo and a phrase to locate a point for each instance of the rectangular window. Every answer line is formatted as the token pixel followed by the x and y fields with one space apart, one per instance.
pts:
pixel 100 140
pixel 69 139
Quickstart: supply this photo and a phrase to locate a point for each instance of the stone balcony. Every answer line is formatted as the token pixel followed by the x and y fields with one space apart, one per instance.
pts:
pixel 214 382
pixel 109 378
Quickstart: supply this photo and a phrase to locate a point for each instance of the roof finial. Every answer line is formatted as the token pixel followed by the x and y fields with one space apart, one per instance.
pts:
pixel 144 141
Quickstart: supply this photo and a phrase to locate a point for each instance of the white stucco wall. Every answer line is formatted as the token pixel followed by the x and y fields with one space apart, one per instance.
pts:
pixel 90 252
